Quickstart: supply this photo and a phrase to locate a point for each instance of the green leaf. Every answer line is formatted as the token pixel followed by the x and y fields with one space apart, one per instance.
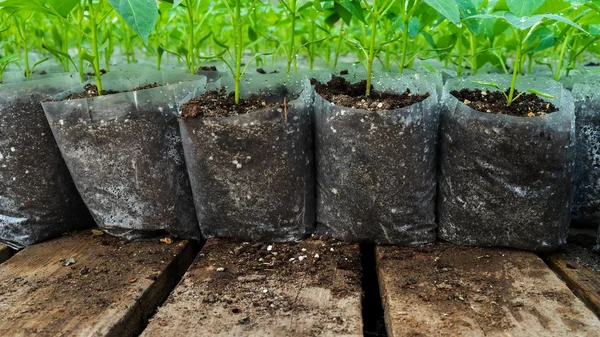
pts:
pixel 354 7
pixel 488 84
pixel 524 7
pixel 63 7
pixel 343 13
pixel 446 8
pixel 140 15
pixel 539 93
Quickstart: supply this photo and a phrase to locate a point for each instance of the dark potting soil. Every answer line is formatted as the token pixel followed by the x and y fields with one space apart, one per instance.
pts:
pixel 341 92
pixel 344 72
pixel 221 104
pixel 102 72
pixel 262 71
pixel 592 64
pixel 208 68
pixel 528 105
pixel 91 90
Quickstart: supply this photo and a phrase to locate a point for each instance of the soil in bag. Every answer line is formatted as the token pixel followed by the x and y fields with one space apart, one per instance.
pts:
pixel 251 164
pixel 376 168
pixel 38 199
pixel 124 152
pixel 506 172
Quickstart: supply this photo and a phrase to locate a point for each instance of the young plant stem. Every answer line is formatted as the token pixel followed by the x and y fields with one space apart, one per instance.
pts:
pixel 516 67
pixel 292 51
pixel 94 27
pixel 65 45
pixel 238 50
pixel 338 48
pixel 190 58
pixel 530 64
pixel 404 47
pixel 473 45
pixel 311 47
pixel 80 13
pixel 372 55
pixel 460 52
pixel 561 58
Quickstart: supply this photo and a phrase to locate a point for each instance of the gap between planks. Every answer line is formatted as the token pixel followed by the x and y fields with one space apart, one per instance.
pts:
pixel 251 289
pixel 445 290
pixel 5 253
pixel 111 289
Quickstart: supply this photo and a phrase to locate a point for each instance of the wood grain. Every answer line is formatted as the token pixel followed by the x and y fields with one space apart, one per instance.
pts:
pixel 463 291
pixel 86 285
pixel 241 289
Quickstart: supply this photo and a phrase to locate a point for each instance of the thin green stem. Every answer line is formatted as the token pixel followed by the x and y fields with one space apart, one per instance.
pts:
pixel 473 45
pixel 190 59
pixel 238 49
pixel 516 67
pixel 96 63
pixel 460 52
pixel 561 58
pixel 372 55
pixel 80 41
pixel 404 47
pixel 292 50
pixel 338 47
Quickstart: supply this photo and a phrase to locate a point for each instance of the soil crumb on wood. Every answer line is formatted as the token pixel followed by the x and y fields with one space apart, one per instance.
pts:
pixel 494 102
pixel 580 249
pixel 79 284
pixel 237 288
pixel 447 290
pixel 91 90
pixel 262 71
pixel 341 92
pixel 221 104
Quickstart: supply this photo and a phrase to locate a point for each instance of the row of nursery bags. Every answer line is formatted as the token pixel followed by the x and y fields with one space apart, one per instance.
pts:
pixel 281 173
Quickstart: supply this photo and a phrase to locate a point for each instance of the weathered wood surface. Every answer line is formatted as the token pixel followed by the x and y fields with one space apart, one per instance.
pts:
pixel 5 253
pixel 311 288
pixel 461 291
pixel 579 267
pixel 110 290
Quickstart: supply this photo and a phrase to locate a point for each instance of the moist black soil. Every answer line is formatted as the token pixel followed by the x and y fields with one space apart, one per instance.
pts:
pixel 91 73
pixel 221 104
pixel 341 92
pixel 344 72
pixel 91 90
pixel 262 71
pixel 528 105
pixel 592 64
pixel 208 68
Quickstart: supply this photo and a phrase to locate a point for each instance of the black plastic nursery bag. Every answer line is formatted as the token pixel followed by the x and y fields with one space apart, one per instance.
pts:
pixel 586 198
pixel 376 171
pixel 505 180
pixel 252 174
pixel 38 199
pixel 125 155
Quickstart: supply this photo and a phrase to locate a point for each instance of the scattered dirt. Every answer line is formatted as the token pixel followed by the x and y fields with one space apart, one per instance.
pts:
pixel 528 105
pixel 579 249
pixel 208 68
pixel 341 92
pixel 465 284
pixel 220 104
pixel 102 72
pixel 265 286
pixel 91 90
pixel 344 72
pixel 43 72
pixel 262 71
pixel 104 271
pixel 592 64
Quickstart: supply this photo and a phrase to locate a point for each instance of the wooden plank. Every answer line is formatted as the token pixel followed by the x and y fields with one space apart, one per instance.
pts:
pixel 446 290
pixel 579 267
pixel 241 289
pixel 111 289
pixel 5 253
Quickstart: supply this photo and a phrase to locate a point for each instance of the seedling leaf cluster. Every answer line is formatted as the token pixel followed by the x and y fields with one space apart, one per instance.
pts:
pixel 554 37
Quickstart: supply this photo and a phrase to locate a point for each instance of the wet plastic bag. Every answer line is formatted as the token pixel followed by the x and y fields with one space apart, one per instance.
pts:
pixel 38 199
pixel 124 153
pixel 505 180
pixel 376 171
pixel 586 198
pixel 252 175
